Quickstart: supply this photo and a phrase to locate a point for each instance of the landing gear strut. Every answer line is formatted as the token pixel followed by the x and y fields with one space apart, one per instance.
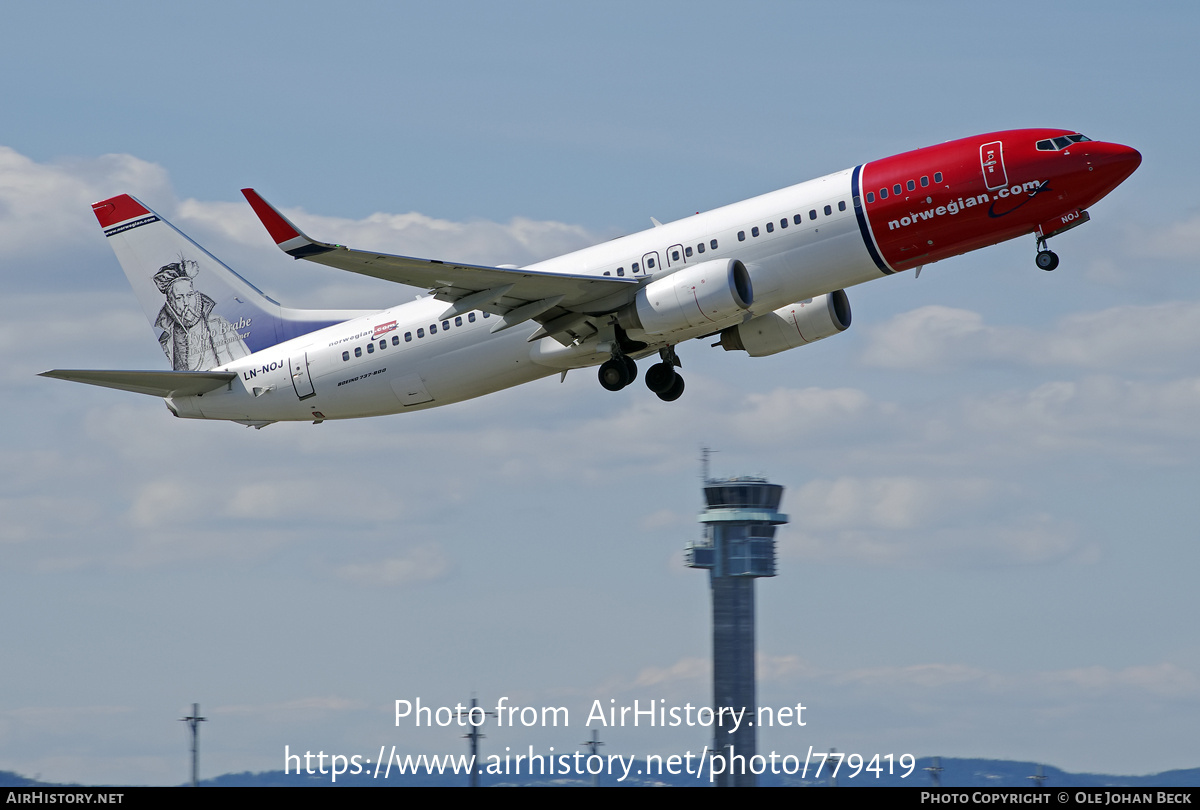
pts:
pixel 1046 258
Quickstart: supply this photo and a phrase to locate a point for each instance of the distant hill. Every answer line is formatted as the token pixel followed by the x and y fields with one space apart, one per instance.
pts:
pixel 955 773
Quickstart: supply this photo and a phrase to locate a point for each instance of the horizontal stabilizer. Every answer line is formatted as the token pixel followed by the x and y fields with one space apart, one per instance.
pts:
pixel 154 383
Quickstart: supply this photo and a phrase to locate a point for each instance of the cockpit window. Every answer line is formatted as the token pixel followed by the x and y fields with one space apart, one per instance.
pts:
pixel 1061 142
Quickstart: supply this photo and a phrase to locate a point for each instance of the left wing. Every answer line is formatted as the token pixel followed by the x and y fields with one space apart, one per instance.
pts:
pixel 558 301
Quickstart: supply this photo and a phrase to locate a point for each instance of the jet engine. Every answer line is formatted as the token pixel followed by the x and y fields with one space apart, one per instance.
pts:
pixel 790 326
pixel 698 295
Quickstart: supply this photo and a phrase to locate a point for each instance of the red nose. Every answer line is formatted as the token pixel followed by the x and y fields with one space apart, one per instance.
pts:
pixel 1114 161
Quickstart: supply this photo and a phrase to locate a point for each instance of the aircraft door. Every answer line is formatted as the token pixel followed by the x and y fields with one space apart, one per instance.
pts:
pixel 300 378
pixel 650 263
pixel 991 160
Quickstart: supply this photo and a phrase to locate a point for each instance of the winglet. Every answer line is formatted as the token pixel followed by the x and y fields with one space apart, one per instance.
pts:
pixel 290 239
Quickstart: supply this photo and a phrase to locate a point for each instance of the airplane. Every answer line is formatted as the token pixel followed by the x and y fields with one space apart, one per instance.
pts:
pixel 761 276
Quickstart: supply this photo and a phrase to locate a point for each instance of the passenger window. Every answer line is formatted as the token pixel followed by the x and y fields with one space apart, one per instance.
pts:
pixel 487 314
pixel 634 267
pixel 674 255
pixel 620 271
pixel 700 248
pixel 741 236
pixel 797 219
pixel 911 186
pixel 841 205
pixel 358 351
pixel 607 273
pixel 445 326
pixel 812 214
pixel 458 320
pixel 870 196
pixel 828 210
pixel 470 317
pixel 408 337
pixel 883 193
pixel 345 356
pixel 687 251
pixel 754 231
pixel 783 222
pixel 896 190
pixel 649 264
pixel 924 180
pixel 383 344
pixel 421 333
pixel 395 340
pixel 713 244
pixel 433 328
pixel 937 177
pixel 370 348
pixel 770 227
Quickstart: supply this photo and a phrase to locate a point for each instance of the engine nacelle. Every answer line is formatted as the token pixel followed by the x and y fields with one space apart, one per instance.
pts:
pixel 705 294
pixel 790 326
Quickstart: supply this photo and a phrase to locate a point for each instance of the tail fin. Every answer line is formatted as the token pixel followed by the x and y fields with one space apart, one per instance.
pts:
pixel 204 314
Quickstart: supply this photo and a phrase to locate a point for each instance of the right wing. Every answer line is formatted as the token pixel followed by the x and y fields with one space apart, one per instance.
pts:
pixel 155 383
pixel 561 302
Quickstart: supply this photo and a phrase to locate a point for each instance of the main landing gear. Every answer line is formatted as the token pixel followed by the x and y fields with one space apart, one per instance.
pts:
pixel 1046 258
pixel 617 372
pixel 661 378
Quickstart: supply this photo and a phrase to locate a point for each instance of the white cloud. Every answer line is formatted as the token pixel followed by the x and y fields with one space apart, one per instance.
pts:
pixel 939 339
pixel 685 669
pixel 47 205
pixel 1178 240
pixel 420 564
pixel 909 521
pixel 1150 419
pixel 900 502
pixel 519 241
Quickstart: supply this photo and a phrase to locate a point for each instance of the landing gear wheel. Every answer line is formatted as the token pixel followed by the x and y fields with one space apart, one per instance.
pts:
pixel 660 377
pixel 1047 260
pixel 614 374
pixel 674 392
pixel 630 368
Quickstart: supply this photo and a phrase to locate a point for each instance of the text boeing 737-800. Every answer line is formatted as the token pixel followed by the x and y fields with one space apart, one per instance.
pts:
pixel 765 275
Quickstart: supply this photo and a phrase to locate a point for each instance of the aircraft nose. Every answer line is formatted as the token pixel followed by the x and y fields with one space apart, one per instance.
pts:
pixel 1114 161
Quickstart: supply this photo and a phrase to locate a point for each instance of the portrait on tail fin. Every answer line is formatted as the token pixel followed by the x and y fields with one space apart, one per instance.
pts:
pixel 194 337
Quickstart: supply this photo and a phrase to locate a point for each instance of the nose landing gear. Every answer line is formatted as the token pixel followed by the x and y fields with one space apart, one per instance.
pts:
pixel 1046 258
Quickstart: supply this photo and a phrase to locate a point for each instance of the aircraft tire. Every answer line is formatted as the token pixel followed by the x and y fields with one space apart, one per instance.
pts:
pixel 660 377
pixel 614 374
pixel 674 392
pixel 631 368
pixel 1047 260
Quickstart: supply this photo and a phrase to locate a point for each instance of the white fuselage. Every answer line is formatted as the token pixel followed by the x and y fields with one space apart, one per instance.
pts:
pixel 367 367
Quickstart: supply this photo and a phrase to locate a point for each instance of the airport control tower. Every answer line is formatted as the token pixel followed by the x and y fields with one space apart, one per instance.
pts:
pixel 739 520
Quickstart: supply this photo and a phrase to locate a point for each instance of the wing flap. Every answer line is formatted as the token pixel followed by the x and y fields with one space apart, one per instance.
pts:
pixel 154 383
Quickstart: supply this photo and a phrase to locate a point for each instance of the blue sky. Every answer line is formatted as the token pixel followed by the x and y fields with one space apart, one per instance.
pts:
pixel 991 475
